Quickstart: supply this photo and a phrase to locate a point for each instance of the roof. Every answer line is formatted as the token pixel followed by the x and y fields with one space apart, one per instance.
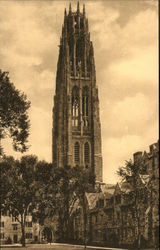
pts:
pixel 92 199
pixel 148 210
pixel 108 188
pixel 125 187
pixel 144 178
pixel 108 195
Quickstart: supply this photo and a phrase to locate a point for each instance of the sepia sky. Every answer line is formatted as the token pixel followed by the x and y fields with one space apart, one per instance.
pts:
pixel 125 40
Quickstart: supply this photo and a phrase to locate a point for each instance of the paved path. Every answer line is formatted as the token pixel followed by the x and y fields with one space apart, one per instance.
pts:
pixel 55 246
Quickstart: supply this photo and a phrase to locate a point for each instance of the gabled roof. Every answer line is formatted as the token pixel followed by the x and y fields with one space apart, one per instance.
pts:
pixel 108 188
pixel 117 188
pixel 145 155
pixel 148 210
pixel 92 199
pixel 125 187
pixel 144 178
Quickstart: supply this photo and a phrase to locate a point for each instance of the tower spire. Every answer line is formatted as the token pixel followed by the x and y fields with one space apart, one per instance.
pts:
pixel 78 10
pixel 70 8
pixel 84 11
pixel 65 12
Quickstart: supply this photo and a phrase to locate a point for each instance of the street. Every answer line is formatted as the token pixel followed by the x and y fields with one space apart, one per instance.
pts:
pixel 56 246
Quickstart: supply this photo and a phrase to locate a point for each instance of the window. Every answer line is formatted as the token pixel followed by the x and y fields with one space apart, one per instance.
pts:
pixel 4 213
pixel 118 199
pixel 86 153
pixel 76 153
pixel 110 215
pixel 85 101
pixel 28 235
pixel 15 227
pixel 1 236
pixel 14 219
pixel 96 218
pixel 85 106
pixel 71 67
pixel 101 217
pixel 96 233
pixel 101 203
pixel 118 215
pixel 125 216
pixel 28 223
pixel 75 106
pixel 1 223
pixel 125 233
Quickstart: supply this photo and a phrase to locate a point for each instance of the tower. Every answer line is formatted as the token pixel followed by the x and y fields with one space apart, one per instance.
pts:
pixel 76 122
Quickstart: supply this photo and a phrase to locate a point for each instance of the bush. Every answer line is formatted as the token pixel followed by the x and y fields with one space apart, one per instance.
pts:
pixel 8 241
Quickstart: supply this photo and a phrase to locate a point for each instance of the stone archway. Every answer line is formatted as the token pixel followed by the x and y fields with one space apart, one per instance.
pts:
pixel 47 234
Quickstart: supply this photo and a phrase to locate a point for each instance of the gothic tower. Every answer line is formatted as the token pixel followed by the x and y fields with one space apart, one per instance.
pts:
pixel 76 123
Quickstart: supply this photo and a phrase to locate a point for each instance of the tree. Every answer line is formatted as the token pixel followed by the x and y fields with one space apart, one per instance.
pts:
pixel 45 196
pixel 130 174
pixel 64 197
pixel 5 167
pixel 58 195
pixel 72 186
pixel 18 182
pixel 84 182
pixel 14 121
pixel 60 192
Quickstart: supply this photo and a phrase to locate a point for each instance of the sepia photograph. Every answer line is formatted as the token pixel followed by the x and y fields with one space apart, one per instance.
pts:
pixel 79 142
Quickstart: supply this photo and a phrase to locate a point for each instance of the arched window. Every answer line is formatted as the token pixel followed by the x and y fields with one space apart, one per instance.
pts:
pixel 85 99
pixel 75 106
pixel 76 153
pixel 86 153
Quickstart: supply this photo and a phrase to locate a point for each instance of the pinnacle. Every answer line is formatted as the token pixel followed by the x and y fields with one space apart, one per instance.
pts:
pixel 65 12
pixel 84 9
pixel 78 10
pixel 70 8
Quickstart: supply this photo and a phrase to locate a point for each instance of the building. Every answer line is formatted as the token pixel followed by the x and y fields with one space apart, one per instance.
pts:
pixel 10 230
pixel 111 216
pixel 76 121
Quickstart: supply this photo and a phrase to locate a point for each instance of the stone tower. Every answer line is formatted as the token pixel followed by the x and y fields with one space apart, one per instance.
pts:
pixel 76 123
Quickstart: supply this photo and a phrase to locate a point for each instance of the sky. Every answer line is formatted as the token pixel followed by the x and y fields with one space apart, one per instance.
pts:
pixel 125 40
